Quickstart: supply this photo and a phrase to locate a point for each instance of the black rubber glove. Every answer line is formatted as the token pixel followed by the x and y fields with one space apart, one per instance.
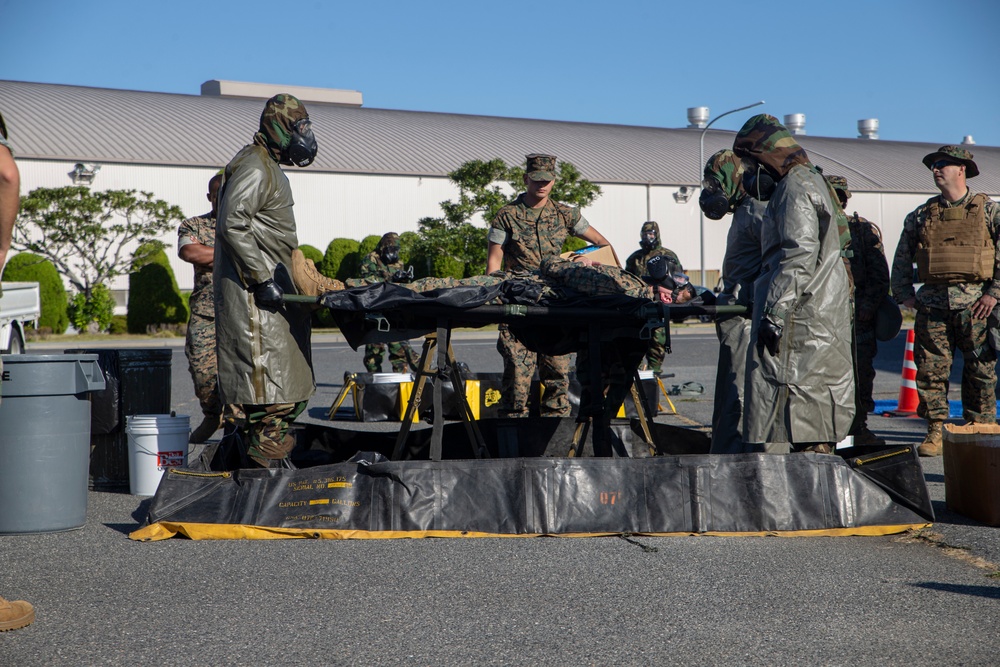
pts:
pixel 769 337
pixel 267 295
pixel 403 276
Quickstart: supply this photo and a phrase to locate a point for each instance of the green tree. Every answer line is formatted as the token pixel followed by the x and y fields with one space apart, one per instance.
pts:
pixel 88 235
pixel 92 314
pixel 333 258
pixel 452 245
pixel 28 267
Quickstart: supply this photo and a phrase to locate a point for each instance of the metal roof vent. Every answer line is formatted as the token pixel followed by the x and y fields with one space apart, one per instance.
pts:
pixel 698 117
pixel 968 140
pixel 868 128
pixel 264 91
pixel 796 123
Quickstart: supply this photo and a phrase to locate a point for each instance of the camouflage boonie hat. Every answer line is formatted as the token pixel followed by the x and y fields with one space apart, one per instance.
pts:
pixel 726 168
pixel 541 167
pixel 280 113
pixel 955 154
pixel 839 183
pixel 764 139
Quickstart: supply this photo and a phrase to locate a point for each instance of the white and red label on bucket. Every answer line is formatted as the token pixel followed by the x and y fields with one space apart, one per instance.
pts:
pixel 170 459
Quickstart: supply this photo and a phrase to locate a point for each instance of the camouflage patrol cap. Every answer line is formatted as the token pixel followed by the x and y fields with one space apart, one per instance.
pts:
pixel 955 154
pixel 541 167
pixel 839 183
pixel 280 113
pixel 726 168
pixel 764 139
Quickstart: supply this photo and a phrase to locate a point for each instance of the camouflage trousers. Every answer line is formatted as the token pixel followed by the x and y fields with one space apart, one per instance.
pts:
pixel 519 364
pixel 266 430
pixel 938 332
pixel 865 349
pixel 657 350
pixel 401 356
pixel 200 350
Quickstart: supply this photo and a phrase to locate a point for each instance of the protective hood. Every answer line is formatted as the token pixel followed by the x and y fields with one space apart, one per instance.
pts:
pixel 647 227
pixel 767 141
pixel 277 122
pixel 726 168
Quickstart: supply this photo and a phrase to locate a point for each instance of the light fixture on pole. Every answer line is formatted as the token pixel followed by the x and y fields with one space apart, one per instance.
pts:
pixel 701 166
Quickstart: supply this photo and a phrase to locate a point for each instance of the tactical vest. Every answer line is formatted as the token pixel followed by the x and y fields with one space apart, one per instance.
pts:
pixel 954 244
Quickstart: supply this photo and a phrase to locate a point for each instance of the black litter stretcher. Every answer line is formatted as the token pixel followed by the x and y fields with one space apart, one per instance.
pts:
pixel 636 485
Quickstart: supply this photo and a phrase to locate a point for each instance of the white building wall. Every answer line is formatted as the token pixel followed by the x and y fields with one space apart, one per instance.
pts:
pixel 329 206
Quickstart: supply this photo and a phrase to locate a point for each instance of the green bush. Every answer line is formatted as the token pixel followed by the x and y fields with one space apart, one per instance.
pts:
pixel 27 267
pixel 98 310
pixel 313 253
pixel 153 296
pixel 406 247
pixel 368 245
pixel 444 266
pixel 573 243
pixel 334 264
pixel 119 325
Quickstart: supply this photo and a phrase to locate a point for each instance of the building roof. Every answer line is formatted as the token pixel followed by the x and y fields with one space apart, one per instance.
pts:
pixel 75 123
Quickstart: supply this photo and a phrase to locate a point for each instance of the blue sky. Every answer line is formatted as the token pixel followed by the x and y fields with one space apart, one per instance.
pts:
pixel 926 70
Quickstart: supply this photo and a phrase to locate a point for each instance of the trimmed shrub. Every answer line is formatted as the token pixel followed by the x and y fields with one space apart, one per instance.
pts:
pixel 334 262
pixel 92 315
pixel 30 268
pixel 313 253
pixel 368 245
pixel 119 325
pixel 153 296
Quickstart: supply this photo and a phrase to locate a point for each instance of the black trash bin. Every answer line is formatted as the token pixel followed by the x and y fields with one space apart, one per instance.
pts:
pixel 137 383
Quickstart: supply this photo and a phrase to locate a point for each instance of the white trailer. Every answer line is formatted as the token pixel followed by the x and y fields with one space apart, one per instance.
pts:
pixel 20 304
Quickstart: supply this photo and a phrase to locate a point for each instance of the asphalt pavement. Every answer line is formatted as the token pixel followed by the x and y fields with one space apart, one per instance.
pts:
pixel 915 599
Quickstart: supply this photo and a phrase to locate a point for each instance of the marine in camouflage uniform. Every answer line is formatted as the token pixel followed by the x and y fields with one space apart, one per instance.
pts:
pixel 522 234
pixel 741 266
pixel 870 272
pixel 650 247
pixel 959 293
pixel 383 265
pixel 195 244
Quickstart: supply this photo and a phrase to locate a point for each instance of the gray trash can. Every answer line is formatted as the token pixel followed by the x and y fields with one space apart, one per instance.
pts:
pixel 45 441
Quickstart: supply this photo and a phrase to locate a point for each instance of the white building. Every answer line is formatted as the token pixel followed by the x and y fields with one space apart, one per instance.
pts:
pixel 380 170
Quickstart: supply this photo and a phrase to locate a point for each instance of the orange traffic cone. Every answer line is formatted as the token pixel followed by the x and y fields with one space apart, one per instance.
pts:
pixel 908 397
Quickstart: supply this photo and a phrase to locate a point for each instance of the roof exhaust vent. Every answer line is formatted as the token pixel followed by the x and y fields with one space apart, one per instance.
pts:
pixel 968 140
pixel 868 128
pixel 698 117
pixel 264 91
pixel 796 123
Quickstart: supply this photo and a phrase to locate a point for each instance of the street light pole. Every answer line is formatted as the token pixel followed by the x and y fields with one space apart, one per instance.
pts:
pixel 701 166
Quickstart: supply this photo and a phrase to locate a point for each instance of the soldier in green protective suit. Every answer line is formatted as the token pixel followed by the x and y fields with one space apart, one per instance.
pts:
pixel 650 247
pixel 262 343
pixel 800 370
pixel 722 193
pixel 871 285
pixel 383 265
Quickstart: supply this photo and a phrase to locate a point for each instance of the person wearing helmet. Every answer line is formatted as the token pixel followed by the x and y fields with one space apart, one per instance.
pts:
pixel 650 247
pixel 800 371
pixel 722 193
pixel 382 264
pixel 262 343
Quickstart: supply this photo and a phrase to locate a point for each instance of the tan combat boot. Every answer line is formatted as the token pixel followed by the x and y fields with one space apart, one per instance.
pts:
pixel 934 442
pixel 16 614
pixel 308 279
pixel 208 426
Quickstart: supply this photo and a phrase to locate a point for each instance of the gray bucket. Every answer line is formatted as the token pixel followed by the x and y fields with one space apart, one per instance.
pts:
pixel 45 441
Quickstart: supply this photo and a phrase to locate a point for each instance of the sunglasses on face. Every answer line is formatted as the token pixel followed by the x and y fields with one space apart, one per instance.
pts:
pixel 941 164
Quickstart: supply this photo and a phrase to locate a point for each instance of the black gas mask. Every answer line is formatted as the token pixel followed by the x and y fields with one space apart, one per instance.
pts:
pixel 713 201
pixel 757 181
pixel 390 254
pixel 649 240
pixel 301 148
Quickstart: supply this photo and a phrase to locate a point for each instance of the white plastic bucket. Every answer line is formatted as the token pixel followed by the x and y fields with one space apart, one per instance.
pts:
pixel 155 443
